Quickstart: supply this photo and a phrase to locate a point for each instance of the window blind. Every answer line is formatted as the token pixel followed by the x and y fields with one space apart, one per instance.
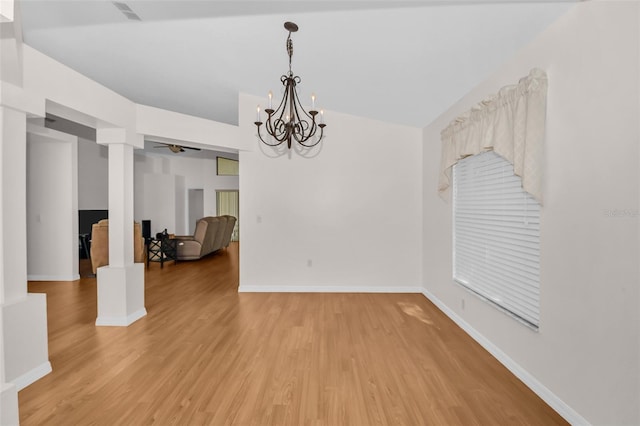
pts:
pixel 227 166
pixel 496 233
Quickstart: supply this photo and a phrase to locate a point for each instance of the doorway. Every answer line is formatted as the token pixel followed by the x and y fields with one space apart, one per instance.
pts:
pixel 196 208
pixel 227 202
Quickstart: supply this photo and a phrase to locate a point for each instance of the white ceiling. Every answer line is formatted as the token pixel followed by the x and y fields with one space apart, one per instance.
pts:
pixel 399 61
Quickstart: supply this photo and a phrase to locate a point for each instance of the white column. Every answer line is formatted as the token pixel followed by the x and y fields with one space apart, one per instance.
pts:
pixel 22 360
pixel 8 392
pixel 121 283
pixel 23 316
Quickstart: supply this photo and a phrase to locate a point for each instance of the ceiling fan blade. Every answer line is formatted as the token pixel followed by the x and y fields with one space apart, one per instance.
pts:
pixel 175 148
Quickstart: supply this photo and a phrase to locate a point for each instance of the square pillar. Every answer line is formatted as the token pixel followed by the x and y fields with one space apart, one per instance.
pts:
pixel 24 354
pixel 120 294
pixel 9 404
pixel 8 392
pixel 121 283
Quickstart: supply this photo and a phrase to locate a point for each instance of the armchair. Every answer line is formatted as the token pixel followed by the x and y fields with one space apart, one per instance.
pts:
pixel 100 244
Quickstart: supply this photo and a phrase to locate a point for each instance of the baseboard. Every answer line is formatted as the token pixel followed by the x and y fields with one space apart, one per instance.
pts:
pixel 568 413
pixel 121 321
pixel 73 277
pixel 32 376
pixel 325 289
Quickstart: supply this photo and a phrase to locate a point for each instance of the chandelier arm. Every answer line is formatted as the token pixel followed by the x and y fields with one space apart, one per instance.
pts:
pixel 277 130
pixel 301 135
pixel 311 117
pixel 303 123
pixel 265 142
pixel 284 80
pixel 298 135
pixel 317 141
pixel 300 121
pixel 276 124
pixel 282 108
pixel 301 127
pixel 279 142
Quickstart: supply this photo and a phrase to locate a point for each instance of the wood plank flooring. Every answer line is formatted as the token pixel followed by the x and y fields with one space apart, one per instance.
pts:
pixel 207 355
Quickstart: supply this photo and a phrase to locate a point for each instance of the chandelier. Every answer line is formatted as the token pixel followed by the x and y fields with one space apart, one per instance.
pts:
pixel 289 121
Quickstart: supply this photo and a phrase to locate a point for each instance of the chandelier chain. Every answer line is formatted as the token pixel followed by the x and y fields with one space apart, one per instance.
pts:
pixel 290 51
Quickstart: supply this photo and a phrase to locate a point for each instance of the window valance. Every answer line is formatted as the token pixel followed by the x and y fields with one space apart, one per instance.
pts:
pixel 511 123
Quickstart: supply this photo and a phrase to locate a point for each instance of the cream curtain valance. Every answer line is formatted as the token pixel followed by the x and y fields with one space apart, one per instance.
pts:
pixel 511 123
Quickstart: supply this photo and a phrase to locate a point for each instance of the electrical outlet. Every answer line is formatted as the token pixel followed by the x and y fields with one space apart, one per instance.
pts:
pixel 462 303
pixel 309 263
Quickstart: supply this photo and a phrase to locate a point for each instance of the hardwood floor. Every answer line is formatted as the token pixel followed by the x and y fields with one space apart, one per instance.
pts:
pixel 205 354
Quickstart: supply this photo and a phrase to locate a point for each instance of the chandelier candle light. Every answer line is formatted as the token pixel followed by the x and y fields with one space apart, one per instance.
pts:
pixel 290 121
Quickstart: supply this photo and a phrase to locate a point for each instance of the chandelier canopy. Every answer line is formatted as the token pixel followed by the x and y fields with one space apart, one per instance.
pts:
pixel 289 121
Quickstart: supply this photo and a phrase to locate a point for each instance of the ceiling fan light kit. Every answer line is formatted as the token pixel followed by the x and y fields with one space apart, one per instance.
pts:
pixel 289 121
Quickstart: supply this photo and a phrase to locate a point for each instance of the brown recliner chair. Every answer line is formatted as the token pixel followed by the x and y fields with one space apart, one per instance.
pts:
pixel 202 242
pixel 100 244
pixel 228 232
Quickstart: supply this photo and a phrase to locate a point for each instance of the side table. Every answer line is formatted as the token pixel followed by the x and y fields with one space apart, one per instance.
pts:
pixel 162 250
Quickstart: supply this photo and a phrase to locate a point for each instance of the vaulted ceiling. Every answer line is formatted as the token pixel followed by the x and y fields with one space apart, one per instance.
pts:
pixel 399 61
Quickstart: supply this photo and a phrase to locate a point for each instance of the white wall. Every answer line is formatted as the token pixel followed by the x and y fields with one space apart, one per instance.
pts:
pixel 159 202
pixel 180 206
pixel 156 175
pixel 347 219
pixel 93 176
pixel 52 205
pixel 587 351
pixel 161 123
pixel 195 208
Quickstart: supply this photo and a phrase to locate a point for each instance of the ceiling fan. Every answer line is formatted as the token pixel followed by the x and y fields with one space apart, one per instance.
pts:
pixel 175 148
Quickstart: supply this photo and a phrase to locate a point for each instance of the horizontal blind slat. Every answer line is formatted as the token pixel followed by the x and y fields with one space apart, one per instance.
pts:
pixel 497 235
